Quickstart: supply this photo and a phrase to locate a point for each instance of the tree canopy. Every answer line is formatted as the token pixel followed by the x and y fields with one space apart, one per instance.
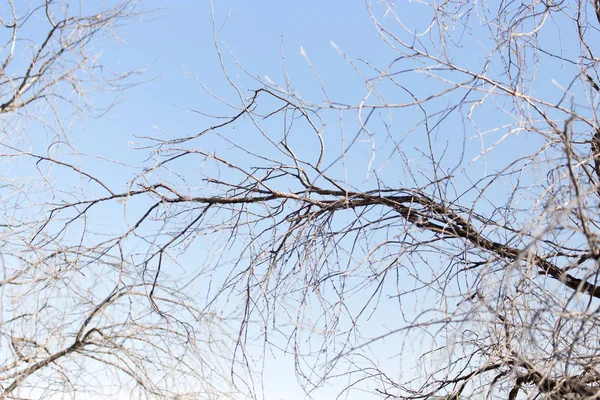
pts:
pixel 440 210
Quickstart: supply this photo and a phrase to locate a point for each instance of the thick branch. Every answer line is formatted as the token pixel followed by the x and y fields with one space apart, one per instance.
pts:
pixel 417 209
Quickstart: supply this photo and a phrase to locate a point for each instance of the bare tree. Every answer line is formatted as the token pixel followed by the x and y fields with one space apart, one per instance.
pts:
pixel 75 316
pixel 457 200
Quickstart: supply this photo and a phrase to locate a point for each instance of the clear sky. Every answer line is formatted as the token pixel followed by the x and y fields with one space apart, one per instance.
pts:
pixel 177 38
pixel 175 42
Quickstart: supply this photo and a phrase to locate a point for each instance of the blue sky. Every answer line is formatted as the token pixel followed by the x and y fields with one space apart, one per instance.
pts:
pixel 177 38
pixel 176 41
